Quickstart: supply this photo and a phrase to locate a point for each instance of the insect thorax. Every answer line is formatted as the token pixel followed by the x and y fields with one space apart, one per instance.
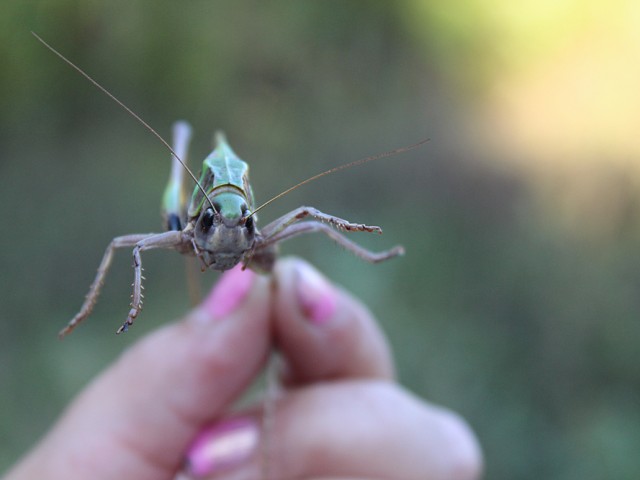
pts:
pixel 222 168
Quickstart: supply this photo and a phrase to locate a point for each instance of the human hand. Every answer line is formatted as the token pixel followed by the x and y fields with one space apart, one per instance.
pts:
pixel 340 416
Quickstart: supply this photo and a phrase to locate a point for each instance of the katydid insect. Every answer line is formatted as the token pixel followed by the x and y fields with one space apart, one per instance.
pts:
pixel 218 226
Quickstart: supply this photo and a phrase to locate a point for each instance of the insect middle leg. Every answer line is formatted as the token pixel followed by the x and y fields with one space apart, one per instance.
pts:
pixel 139 241
pixel 293 230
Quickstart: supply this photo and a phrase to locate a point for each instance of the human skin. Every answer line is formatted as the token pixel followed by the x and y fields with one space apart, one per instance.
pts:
pixel 163 409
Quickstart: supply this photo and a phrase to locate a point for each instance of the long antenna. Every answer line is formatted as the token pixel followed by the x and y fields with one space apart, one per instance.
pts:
pixel 128 110
pixel 343 167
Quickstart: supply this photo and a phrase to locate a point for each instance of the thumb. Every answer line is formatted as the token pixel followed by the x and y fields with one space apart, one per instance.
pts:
pixel 136 419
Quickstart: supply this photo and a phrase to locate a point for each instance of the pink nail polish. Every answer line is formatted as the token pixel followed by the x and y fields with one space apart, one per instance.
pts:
pixel 316 295
pixel 222 446
pixel 229 292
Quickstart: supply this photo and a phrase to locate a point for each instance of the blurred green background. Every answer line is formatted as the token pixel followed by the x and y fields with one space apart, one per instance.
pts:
pixel 517 302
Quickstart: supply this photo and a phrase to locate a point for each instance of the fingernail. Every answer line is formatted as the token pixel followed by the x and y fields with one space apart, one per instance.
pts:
pixel 317 297
pixel 229 292
pixel 222 446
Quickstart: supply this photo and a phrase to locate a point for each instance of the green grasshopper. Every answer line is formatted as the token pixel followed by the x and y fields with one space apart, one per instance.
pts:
pixel 219 224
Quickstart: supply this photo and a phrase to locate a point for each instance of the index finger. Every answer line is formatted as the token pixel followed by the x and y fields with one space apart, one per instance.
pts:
pixel 322 331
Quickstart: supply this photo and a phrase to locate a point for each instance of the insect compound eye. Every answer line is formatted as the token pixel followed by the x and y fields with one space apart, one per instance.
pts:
pixel 207 218
pixel 249 224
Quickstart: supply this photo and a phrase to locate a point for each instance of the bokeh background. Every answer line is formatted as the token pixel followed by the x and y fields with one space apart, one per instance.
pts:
pixel 517 303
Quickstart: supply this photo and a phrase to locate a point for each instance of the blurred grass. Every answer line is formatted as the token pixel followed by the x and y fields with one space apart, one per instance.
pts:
pixel 508 309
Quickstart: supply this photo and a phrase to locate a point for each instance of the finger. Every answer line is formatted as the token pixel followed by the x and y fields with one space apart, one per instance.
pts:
pixel 322 331
pixel 357 429
pixel 137 418
pixel 370 429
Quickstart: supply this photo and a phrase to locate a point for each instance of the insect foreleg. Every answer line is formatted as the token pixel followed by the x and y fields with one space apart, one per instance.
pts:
pixel 96 286
pixel 94 289
pixel 301 213
pixel 171 239
pixel 294 230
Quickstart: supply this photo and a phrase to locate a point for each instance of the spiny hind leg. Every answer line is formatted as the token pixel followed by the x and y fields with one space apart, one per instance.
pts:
pixel 300 213
pixel 171 239
pixel 317 227
pixel 173 208
pixel 94 290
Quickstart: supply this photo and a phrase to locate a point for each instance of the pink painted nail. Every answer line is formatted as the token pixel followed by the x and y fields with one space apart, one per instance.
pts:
pixel 222 446
pixel 316 295
pixel 229 292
